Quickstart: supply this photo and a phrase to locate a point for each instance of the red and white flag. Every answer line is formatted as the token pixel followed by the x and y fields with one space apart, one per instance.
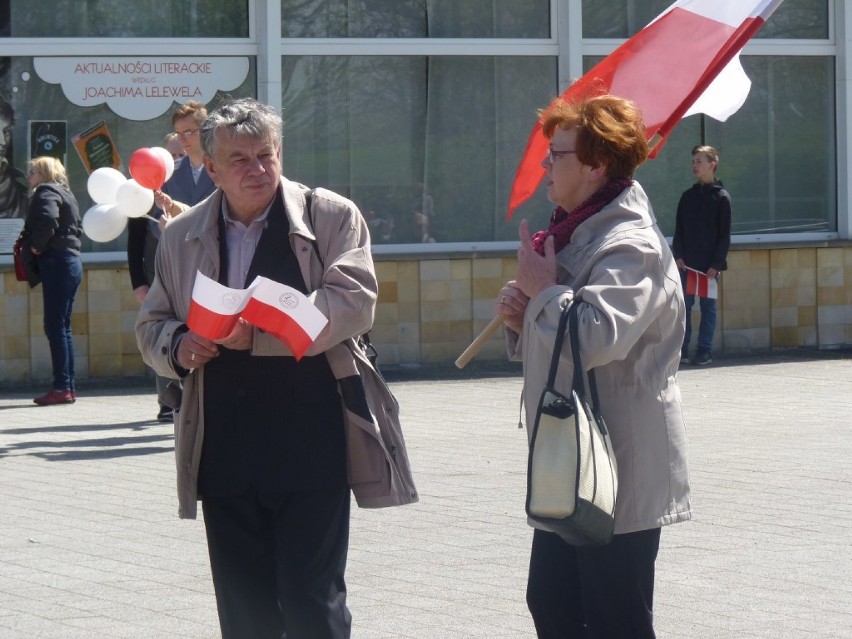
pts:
pixel 671 68
pixel 215 309
pixel 285 313
pixel 699 283
pixel 275 308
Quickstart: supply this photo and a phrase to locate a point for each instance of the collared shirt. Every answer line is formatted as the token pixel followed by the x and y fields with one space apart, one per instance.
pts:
pixel 241 242
pixel 196 171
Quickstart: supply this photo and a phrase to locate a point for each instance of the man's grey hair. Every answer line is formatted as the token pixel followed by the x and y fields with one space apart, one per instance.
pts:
pixel 243 117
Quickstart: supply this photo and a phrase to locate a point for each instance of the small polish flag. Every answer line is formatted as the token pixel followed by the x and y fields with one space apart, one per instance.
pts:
pixel 285 313
pixel 215 309
pixel 686 61
pixel 698 282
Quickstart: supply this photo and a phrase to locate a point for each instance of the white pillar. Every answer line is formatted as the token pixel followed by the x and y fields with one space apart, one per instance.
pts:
pixel 268 30
pixel 843 38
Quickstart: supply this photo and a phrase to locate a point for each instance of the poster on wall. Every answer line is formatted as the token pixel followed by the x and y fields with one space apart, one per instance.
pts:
pixel 13 182
pixel 141 88
pixel 48 138
pixel 96 148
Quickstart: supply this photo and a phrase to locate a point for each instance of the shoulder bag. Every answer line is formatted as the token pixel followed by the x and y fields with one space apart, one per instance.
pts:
pixel 572 478
pixel 17 252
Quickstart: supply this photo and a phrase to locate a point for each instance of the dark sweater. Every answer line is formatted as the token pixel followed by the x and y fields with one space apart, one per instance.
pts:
pixel 703 227
pixel 53 221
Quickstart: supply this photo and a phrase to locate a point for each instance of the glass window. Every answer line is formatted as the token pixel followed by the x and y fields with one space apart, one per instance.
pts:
pixel 806 19
pixel 778 153
pixel 426 146
pixel 415 19
pixel 45 121
pixel 120 19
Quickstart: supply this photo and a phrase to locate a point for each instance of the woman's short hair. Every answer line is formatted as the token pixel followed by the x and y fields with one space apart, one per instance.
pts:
pixel 610 131
pixel 49 168
pixel 243 117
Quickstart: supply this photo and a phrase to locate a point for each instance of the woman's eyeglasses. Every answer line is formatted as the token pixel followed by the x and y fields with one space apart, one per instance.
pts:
pixel 553 155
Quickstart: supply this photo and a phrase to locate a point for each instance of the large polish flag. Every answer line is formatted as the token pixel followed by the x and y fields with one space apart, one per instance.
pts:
pixel 685 61
pixel 285 313
pixel 215 309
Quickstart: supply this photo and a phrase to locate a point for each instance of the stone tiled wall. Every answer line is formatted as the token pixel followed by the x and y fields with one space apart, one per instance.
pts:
pixel 429 310
pixel 102 324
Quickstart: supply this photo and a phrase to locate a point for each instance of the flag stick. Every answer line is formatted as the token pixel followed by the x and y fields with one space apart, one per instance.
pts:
pixel 477 344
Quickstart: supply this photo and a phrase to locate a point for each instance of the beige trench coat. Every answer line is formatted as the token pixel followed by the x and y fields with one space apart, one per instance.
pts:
pixel 619 268
pixel 345 291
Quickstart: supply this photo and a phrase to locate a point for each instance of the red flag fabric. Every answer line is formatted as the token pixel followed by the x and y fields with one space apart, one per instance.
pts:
pixel 215 309
pixel 700 284
pixel 285 313
pixel 665 69
pixel 276 308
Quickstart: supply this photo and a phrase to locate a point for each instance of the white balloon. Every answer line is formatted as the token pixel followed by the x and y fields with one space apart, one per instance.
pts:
pixel 133 199
pixel 167 158
pixel 103 223
pixel 103 184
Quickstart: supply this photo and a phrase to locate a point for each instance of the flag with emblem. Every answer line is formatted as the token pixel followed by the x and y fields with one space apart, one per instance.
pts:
pixel 285 313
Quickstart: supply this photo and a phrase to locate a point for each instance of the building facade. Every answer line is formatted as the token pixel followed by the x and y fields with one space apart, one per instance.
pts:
pixel 419 111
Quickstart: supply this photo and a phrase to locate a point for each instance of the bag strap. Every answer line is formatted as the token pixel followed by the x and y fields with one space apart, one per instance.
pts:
pixel 309 195
pixel 362 341
pixel 569 318
pixel 578 365
pixel 557 345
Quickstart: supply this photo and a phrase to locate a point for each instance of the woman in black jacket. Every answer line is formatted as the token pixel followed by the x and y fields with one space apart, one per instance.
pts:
pixel 52 234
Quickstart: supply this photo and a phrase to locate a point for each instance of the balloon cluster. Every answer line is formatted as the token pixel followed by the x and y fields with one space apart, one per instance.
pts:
pixel 117 199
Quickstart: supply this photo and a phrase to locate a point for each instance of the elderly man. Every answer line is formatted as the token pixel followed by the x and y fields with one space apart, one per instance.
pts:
pixel 262 439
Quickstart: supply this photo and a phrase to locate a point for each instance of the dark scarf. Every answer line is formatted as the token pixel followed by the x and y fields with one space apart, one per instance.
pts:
pixel 563 224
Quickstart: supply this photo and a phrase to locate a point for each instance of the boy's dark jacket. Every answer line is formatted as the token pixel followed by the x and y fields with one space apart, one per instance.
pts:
pixel 703 227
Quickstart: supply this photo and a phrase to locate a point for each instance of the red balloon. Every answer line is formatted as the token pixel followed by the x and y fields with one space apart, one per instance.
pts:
pixel 148 168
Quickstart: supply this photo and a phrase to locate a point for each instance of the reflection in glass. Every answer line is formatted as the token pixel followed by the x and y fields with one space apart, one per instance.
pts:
pixel 123 19
pixel 426 146
pixel 415 19
pixel 778 152
pixel 801 19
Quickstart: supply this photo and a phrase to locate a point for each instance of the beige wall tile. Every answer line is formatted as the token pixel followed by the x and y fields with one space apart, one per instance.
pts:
pixel 387 271
pixel 432 270
pixel 831 296
pixel 387 314
pixel 830 257
pixel 461 270
pixel 388 291
pixel 487 268
pixel 435 291
pixel 105 345
pixel 785 317
pixel 106 366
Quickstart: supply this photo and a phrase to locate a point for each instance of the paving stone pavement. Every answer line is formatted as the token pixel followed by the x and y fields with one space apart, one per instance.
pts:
pixel 90 543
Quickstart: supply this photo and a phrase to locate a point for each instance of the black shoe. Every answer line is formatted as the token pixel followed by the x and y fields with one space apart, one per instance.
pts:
pixel 166 414
pixel 684 356
pixel 702 358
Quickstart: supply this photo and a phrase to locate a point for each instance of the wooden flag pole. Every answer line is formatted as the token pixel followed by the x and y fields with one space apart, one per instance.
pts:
pixel 477 344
